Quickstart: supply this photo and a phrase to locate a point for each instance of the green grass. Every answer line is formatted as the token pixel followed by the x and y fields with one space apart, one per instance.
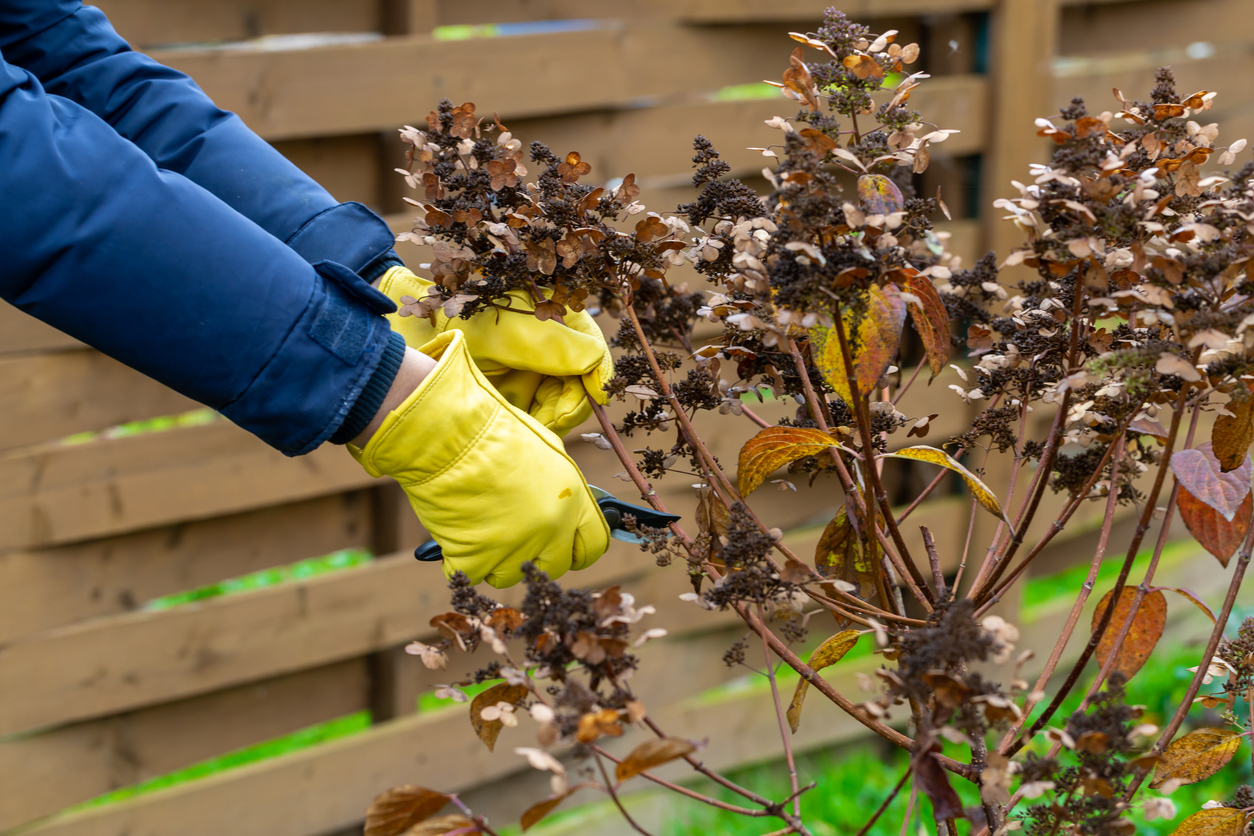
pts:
pixel 301 570
pixel 303 739
pixel 195 418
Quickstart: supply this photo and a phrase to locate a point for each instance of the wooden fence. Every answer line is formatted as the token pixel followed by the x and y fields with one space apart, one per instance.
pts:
pixel 99 691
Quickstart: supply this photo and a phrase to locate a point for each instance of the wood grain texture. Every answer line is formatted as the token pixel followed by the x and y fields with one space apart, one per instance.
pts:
pixel 51 396
pixel 288 94
pixel 145 23
pixel 40 590
pixel 56 495
pixel 21 332
pixel 98 756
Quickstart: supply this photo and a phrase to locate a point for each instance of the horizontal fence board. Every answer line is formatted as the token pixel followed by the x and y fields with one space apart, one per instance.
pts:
pixel 58 495
pixel 320 91
pixel 1133 73
pixel 348 167
pixel 40 590
pixel 88 759
pixel 21 332
pixel 121 662
pixel 656 142
pixel 52 396
pixel 336 781
pixel 1086 29
pixel 145 23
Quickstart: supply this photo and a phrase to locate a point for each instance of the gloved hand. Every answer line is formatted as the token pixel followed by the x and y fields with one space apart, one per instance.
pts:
pixel 494 488
pixel 540 367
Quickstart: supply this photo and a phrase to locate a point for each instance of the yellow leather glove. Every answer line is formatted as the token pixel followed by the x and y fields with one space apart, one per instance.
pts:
pixel 494 487
pixel 540 367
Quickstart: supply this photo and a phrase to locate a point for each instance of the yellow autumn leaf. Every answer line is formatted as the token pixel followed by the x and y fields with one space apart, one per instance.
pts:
pixel 933 456
pixel 1196 756
pixel 1218 821
pixel 877 337
pixel 774 447
pixel 828 653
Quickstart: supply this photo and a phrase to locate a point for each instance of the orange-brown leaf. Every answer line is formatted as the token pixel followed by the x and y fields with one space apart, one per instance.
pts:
pixel 1232 434
pixel 931 320
pixel 1196 756
pixel 1218 821
pixel 878 334
pixel 440 826
pixel 400 808
pixel 652 753
pixel 1147 628
pixel 540 809
pixel 774 447
pixel 489 730
pixel 1200 473
pixel 1218 536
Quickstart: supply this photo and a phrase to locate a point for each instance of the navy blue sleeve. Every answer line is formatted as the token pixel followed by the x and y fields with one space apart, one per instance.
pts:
pixel 154 270
pixel 77 55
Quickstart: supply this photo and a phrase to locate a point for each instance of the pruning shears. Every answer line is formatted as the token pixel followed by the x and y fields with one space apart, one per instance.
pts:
pixel 613 509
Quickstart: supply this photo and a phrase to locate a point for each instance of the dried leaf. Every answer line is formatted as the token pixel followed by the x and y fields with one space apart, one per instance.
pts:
pixel 1219 821
pixel 981 492
pixel 488 730
pixel 1232 434
pixel 828 653
pixel 931 779
pixel 652 753
pixel 930 319
pixel 840 556
pixel 542 808
pixel 1199 472
pixel 1147 628
pixel 1196 599
pixel 1196 756
pixel 1218 536
pixel 879 195
pixel 441 825
pixel 878 335
pixel 400 808
pixel 774 447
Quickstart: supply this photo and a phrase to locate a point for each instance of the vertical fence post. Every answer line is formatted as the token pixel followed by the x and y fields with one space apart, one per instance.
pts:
pixel 1024 41
pixel 400 18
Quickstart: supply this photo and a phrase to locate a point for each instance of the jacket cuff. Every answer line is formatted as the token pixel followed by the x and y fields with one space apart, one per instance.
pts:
pixel 372 395
pixel 348 234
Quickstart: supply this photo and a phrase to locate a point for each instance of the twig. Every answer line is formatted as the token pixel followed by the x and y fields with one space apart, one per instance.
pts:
pixel 906 386
pixel 693 794
pixel 1129 557
pixel 938 574
pixel 749 413
pixel 609 787
pixel 866 828
pixel 1082 598
pixel 480 821
pixel 784 733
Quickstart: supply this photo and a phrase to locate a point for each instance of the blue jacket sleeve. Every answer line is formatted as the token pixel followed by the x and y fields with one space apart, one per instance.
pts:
pixel 155 271
pixel 77 55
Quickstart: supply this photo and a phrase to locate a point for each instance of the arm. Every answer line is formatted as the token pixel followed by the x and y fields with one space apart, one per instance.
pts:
pixel 76 54
pixel 157 272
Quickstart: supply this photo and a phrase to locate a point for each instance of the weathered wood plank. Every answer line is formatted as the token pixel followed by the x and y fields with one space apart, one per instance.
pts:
pixel 145 23
pixel 98 756
pixel 21 332
pixel 51 396
pixel 1086 29
pixel 286 94
pixel 57 495
pixel 135 659
pixel 346 166
pixel 40 590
